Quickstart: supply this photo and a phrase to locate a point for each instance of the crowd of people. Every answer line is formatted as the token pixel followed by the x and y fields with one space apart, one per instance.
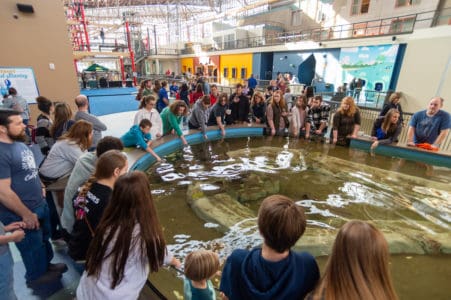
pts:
pixel 109 220
pixel 282 113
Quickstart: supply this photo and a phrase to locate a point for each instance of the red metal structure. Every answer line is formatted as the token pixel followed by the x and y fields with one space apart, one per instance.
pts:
pixel 78 26
pixel 132 55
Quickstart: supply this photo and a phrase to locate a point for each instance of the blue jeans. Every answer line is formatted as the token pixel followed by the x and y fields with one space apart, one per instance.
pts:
pixel 35 248
pixel 6 276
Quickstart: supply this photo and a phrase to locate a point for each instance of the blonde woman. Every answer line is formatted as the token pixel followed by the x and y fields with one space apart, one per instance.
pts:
pixel 346 122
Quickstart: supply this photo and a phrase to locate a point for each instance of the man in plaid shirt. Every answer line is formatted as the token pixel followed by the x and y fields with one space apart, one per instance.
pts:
pixel 317 118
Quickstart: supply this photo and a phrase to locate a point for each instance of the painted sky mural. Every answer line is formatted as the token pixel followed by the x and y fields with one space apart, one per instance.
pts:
pixel 373 64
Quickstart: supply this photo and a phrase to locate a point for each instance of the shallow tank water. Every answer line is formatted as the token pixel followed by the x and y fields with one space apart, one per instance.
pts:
pixel 208 195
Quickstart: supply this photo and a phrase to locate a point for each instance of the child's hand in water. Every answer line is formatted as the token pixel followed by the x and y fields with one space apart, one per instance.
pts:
pixel 175 262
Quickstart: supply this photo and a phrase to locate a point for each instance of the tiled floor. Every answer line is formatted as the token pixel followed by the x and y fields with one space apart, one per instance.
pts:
pixel 62 289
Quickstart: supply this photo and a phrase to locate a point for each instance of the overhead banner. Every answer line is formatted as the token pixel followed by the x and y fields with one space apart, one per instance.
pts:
pixel 22 79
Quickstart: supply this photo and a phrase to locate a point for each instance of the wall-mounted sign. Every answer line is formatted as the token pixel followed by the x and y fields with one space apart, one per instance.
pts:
pixel 22 79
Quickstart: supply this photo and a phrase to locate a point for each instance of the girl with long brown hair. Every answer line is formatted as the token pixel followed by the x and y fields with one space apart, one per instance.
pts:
pixel 258 108
pixel 276 114
pixel 346 122
pixel 198 93
pixel 299 114
pixel 357 267
pixel 128 243
pixel 92 199
pixel 386 129
pixel 62 120
pixel 393 102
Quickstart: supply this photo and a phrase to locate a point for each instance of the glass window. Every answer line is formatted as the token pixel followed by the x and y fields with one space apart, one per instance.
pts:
pixel 360 7
pixel 243 73
pixel 226 72
pixel 233 72
pixel 401 3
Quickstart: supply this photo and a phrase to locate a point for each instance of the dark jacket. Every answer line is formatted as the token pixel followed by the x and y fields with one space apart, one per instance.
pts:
pixel 247 275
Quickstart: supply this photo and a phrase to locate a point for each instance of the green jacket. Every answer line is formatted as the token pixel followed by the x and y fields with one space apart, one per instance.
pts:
pixel 170 121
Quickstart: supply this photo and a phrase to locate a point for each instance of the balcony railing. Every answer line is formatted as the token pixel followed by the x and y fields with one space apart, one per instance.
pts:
pixel 388 26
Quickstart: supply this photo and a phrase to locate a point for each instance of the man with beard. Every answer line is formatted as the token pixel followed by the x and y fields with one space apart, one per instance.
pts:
pixel 22 199
pixel 429 126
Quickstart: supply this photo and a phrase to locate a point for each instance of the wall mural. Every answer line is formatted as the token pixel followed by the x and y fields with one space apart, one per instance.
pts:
pixel 369 66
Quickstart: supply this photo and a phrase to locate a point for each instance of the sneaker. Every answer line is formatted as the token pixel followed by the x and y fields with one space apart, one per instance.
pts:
pixel 60 267
pixel 47 278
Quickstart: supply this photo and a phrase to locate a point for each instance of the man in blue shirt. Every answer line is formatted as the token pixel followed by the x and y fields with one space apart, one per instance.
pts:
pixel 252 82
pixel 173 89
pixel 429 126
pixel 22 199
pixel 163 99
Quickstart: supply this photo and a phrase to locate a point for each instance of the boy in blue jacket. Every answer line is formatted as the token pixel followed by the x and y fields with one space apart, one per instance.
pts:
pixel 272 271
pixel 139 136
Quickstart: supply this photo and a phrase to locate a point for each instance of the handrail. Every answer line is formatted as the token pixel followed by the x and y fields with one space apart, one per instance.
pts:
pixel 403 24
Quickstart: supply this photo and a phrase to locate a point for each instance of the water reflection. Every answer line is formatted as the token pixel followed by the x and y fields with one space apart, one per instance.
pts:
pixel 331 189
pixel 333 185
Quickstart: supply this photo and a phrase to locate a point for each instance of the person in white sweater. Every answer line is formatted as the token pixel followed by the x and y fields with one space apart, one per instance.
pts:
pixel 147 111
pixel 64 154
pixel 299 114
pixel 128 243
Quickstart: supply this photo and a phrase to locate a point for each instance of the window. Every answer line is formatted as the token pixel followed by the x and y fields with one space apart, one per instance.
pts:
pixel 360 7
pixel 218 42
pixel 233 72
pixel 226 72
pixel 296 17
pixel 401 3
pixel 243 73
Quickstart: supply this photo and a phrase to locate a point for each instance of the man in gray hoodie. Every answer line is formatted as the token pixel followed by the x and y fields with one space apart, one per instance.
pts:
pixel 199 115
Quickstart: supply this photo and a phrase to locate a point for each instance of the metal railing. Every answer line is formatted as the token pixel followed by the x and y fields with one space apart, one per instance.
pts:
pixel 388 26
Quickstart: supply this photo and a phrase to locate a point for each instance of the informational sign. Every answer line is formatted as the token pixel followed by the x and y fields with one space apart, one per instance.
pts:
pixel 22 79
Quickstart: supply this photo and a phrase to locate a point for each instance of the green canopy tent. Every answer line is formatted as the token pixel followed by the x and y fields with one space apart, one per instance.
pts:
pixel 96 68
